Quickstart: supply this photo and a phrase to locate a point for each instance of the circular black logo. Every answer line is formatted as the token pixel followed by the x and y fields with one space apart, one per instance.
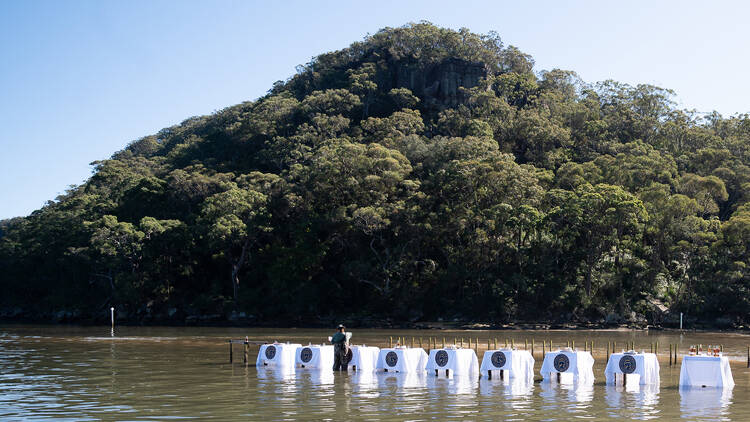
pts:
pixel 498 359
pixel 349 356
pixel 627 364
pixel 441 358
pixel 305 355
pixel 562 363
pixel 270 352
pixel 391 358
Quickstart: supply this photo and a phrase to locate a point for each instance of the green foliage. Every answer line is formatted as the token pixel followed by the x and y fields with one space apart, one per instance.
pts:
pixel 420 173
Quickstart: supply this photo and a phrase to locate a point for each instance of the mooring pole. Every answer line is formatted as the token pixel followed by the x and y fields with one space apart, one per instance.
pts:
pixel 112 316
pixel 230 350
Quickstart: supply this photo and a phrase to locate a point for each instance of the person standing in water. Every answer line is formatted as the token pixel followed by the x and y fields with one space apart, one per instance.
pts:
pixel 340 349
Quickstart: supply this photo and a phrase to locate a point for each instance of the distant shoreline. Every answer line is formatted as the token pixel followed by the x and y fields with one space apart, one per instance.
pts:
pixel 214 320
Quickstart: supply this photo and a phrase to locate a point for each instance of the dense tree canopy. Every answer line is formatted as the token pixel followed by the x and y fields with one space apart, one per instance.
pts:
pixel 417 174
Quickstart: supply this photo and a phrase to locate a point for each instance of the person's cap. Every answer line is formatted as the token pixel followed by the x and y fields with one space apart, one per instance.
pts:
pixel 341 326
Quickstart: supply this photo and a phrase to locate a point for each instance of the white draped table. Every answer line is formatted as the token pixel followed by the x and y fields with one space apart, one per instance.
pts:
pixel 364 358
pixel 706 371
pixel 519 364
pixel 277 354
pixel 645 365
pixel 402 359
pixel 318 356
pixel 573 366
pixel 456 361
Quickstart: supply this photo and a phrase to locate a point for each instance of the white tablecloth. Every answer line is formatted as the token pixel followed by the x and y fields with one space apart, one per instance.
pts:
pixel 580 364
pixel 315 356
pixel 706 371
pixel 518 363
pixel 458 361
pixel 364 358
pixel 277 354
pixel 402 359
pixel 646 365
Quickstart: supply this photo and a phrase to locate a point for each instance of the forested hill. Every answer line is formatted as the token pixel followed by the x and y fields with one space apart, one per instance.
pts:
pixel 421 173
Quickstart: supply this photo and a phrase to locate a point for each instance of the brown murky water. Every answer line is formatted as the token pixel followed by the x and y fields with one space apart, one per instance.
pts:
pixel 158 373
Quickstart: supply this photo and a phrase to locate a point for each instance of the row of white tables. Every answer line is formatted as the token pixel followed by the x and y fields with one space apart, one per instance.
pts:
pixel 562 366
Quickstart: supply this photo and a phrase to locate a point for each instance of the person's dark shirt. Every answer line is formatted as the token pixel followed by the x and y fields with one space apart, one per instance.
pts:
pixel 338 338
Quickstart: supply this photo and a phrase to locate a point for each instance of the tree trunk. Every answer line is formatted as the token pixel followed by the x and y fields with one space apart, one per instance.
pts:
pixel 236 266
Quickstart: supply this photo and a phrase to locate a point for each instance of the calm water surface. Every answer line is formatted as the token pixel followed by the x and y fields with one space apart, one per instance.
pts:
pixel 159 373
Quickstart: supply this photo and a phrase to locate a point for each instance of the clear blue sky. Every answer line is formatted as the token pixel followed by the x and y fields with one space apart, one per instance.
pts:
pixel 79 80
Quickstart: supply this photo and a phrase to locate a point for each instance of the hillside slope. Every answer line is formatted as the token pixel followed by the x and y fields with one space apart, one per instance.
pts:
pixel 422 173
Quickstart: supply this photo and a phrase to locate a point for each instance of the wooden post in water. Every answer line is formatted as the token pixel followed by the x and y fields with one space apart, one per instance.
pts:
pixel 247 352
pixel 230 350
pixel 412 342
pixel 525 344
pixel 544 343
pixel 443 342
pixel 496 343
pixel 512 344
pixel 532 347
pixel 476 346
pixel 748 356
pixel 607 356
pixel 656 348
pixel 390 341
pixel 506 342
pixel 670 354
pixel 420 343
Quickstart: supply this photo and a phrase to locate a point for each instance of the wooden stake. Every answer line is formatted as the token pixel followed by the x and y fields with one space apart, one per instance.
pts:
pixel 607 358
pixel 247 352
pixel 532 347
pixel 670 354
pixel 525 344
pixel 230 351
pixel 390 341
pixel 495 343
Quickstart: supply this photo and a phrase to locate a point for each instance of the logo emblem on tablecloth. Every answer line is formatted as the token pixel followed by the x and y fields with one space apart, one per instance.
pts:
pixel 391 358
pixel 498 359
pixel 562 363
pixel 441 357
pixel 270 352
pixel 349 356
pixel 305 355
pixel 627 364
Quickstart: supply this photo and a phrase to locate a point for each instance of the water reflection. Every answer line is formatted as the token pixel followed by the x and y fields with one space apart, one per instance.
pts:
pixel 708 403
pixel 633 401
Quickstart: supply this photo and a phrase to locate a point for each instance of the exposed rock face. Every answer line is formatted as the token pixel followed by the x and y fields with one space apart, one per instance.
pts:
pixel 438 84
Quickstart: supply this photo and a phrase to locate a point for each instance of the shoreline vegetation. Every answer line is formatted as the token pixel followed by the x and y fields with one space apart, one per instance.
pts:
pixel 17 316
pixel 420 173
